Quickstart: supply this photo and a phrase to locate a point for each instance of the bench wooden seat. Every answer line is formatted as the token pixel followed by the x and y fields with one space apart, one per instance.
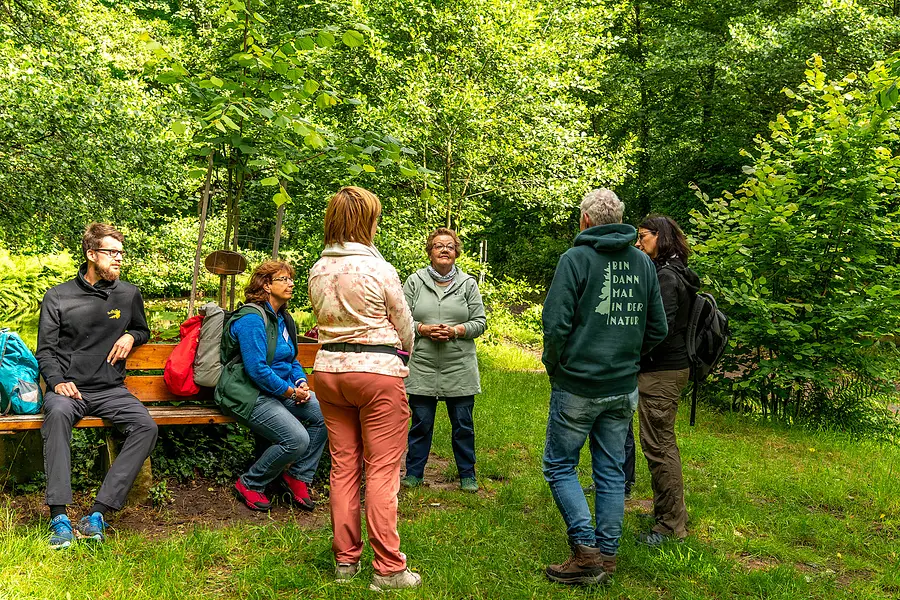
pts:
pixel 165 407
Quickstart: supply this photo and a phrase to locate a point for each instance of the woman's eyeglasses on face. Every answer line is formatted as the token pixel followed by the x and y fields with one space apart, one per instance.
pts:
pixel 440 247
pixel 284 279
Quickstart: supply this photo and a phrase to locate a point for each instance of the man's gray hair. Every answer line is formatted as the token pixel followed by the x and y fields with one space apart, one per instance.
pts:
pixel 602 207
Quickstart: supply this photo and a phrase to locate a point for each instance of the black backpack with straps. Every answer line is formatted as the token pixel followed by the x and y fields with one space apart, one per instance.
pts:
pixel 707 339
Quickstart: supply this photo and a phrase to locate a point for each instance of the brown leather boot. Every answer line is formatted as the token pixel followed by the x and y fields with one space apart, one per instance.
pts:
pixel 609 563
pixel 584 567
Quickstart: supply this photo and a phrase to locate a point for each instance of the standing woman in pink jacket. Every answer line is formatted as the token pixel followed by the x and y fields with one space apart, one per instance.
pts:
pixel 364 322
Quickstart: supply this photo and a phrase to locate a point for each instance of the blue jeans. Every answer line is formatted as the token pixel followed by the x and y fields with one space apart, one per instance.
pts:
pixel 298 436
pixel 424 409
pixel 606 420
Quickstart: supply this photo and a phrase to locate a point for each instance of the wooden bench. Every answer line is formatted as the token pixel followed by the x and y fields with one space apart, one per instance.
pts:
pixel 165 407
pixel 21 455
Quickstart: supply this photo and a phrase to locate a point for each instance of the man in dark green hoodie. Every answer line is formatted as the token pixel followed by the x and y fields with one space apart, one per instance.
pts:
pixel 602 312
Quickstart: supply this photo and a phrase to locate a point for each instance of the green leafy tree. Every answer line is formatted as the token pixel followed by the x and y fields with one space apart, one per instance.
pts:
pixel 803 255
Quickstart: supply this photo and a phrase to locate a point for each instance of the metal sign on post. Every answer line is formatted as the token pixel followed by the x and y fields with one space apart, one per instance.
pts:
pixel 224 263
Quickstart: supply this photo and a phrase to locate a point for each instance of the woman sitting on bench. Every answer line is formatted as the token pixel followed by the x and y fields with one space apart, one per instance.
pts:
pixel 265 388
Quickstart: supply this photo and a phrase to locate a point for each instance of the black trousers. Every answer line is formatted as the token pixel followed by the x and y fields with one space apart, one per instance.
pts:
pixel 127 414
pixel 628 467
pixel 424 409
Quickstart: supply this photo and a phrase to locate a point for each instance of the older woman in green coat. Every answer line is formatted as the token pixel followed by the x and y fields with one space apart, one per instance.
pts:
pixel 449 315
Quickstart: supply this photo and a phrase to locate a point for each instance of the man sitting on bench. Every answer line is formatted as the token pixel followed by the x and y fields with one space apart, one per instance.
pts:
pixel 88 326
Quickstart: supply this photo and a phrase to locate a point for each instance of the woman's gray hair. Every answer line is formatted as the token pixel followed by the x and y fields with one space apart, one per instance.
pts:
pixel 602 207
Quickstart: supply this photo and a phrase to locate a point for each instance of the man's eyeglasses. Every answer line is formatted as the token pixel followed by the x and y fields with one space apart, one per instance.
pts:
pixel 440 247
pixel 111 252
pixel 285 279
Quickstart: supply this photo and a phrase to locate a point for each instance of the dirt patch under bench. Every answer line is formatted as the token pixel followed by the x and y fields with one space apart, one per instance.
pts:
pixel 191 503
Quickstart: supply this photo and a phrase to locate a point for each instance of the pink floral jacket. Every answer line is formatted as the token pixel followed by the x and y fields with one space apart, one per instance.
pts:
pixel 357 298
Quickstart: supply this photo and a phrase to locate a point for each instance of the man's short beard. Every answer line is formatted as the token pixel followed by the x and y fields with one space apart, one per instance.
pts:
pixel 107 274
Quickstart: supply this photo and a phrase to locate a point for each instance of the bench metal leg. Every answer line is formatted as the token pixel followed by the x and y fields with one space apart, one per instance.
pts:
pixel 140 491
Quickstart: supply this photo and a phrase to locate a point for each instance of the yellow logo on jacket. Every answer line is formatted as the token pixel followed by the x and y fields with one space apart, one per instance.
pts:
pixel 115 313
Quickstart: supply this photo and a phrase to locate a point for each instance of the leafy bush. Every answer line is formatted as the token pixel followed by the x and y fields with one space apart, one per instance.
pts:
pixel 161 262
pixel 512 313
pixel 803 255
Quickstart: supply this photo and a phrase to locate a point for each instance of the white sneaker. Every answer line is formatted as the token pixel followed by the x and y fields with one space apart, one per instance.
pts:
pixel 344 572
pixel 397 581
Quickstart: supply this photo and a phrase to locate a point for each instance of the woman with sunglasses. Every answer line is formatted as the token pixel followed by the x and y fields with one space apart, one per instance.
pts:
pixel 664 373
pixel 264 387
pixel 449 315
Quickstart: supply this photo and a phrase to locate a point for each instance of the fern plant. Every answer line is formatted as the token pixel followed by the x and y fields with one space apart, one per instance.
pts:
pixel 23 282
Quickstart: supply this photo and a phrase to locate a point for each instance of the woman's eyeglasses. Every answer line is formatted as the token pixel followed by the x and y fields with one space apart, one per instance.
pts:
pixel 285 279
pixel 440 247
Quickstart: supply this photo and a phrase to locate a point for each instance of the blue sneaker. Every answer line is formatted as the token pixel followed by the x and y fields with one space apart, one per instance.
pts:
pixel 92 527
pixel 61 534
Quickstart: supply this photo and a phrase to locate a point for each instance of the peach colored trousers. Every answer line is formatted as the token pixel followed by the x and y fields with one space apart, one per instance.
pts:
pixel 367 416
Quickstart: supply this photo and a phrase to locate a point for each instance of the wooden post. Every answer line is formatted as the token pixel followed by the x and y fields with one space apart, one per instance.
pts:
pixel 140 491
pixel 204 207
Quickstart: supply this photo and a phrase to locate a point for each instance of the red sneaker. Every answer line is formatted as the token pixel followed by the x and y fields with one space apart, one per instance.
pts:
pixel 298 491
pixel 253 500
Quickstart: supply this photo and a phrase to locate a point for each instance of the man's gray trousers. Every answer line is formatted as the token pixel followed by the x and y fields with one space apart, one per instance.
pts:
pixel 120 407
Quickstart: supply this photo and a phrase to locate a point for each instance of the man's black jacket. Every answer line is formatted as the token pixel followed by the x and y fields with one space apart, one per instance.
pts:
pixel 79 325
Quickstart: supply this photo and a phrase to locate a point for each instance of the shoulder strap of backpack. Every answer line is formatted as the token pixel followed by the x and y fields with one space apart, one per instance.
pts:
pixel 697 305
pixel 291 326
pixel 241 312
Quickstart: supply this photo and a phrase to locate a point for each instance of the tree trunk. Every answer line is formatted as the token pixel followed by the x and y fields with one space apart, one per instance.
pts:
pixel 642 200
pixel 278 220
pixel 204 208
pixel 448 166
pixel 236 218
pixel 229 206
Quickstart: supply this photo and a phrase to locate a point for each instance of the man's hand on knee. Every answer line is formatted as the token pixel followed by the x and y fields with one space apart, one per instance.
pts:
pixel 67 388
pixel 121 348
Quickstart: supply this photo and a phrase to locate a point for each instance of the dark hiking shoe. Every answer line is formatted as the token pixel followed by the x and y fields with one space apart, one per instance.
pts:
pixel 93 527
pixel 61 533
pixel 468 484
pixel 585 566
pixel 655 538
pixel 254 500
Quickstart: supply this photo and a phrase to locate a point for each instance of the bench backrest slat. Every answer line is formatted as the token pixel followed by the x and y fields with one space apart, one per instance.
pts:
pixel 152 388
pixel 154 356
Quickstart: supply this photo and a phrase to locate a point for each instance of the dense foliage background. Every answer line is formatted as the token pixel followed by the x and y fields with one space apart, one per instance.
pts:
pixel 766 127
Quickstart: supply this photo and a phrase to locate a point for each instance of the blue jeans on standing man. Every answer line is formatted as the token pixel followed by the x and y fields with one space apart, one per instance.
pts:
pixel 606 421
pixel 298 436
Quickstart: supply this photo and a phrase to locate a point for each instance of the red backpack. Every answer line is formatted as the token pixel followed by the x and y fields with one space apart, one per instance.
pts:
pixel 179 371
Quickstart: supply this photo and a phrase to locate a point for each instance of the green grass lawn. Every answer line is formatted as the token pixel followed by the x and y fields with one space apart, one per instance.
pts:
pixel 775 514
